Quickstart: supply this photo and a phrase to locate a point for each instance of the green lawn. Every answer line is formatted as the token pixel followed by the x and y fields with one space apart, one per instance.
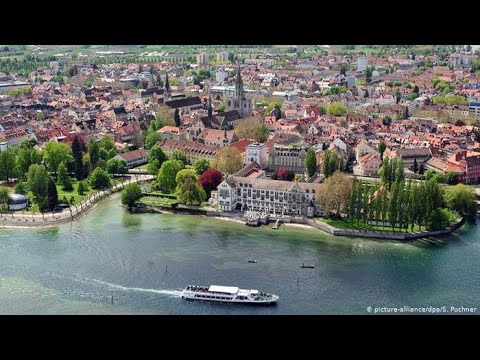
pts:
pixel 74 193
pixel 358 225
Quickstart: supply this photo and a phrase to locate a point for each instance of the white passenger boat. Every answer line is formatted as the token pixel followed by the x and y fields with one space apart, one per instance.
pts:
pixel 228 294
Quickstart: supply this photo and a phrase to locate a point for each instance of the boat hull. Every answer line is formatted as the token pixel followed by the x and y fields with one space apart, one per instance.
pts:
pixel 246 302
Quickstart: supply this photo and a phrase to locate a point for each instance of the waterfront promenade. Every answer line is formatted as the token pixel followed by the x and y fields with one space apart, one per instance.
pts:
pixel 31 219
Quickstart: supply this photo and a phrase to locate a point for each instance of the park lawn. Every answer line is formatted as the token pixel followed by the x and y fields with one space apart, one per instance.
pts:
pixel 74 193
pixel 353 224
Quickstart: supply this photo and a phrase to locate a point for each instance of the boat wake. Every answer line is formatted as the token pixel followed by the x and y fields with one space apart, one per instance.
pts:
pixel 172 293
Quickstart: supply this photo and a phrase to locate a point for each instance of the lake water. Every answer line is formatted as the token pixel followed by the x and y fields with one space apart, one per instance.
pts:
pixel 78 267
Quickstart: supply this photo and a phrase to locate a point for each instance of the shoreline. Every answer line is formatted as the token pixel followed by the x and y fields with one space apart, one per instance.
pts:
pixel 29 221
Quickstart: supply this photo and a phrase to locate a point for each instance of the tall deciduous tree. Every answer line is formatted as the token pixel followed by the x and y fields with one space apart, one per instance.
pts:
pixel 210 180
pixel 62 173
pixel 310 162
pixel 51 199
pixel 334 195
pixel 37 182
pixel 201 165
pixel 4 196
pixel 461 198
pixel 55 153
pixel 99 179
pixel 190 192
pixel 26 156
pixel 7 164
pixel 382 147
pixel 167 175
pixel 78 157
pixel 228 160
pixel 93 152
pixel 130 194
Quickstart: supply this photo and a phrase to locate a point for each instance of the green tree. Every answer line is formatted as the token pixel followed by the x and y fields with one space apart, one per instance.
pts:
pixel 381 148
pixel 201 165
pixel 336 109
pixel 451 178
pixel 461 198
pixel 4 197
pixel 393 205
pixel 167 175
pixel 310 162
pixel 52 195
pixel 190 192
pixel 228 160
pixel 37 182
pixel 415 166
pixel 438 220
pixel 81 187
pixel 117 166
pixel 67 184
pixel 21 188
pixel 107 143
pixel 93 152
pixel 26 156
pixel 176 117
pixel 55 153
pixel 7 164
pixel 130 194
pixel 62 173
pixel 151 139
pixel 99 179
pixel 183 175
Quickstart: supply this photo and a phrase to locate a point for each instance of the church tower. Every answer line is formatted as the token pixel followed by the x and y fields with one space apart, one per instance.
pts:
pixel 238 101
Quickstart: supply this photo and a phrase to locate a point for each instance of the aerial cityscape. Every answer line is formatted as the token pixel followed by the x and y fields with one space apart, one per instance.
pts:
pixel 239 179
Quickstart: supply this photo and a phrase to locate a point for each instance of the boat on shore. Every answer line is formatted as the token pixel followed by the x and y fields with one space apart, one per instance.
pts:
pixel 228 294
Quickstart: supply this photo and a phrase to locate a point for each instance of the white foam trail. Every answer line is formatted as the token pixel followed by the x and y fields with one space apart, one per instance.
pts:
pixel 173 293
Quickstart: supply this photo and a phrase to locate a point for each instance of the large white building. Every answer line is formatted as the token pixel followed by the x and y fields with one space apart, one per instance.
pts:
pixel 222 56
pixel 202 58
pixel 270 196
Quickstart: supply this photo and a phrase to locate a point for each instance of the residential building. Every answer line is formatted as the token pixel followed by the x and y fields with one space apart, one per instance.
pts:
pixel 134 158
pixel 369 164
pixel 172 132
pixel 217 138
pixel 469 161
pixel 192 150
pixel 291 157
pixel 364 148
pixel 411 154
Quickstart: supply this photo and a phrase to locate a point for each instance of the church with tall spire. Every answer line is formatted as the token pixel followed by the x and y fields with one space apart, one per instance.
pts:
pixel 238 100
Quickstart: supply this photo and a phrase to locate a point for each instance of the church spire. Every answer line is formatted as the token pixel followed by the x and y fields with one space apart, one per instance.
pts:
pixel 239 82
pixel 210 109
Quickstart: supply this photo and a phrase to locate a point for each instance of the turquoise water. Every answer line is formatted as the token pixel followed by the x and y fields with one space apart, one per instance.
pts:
pixel 78 267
